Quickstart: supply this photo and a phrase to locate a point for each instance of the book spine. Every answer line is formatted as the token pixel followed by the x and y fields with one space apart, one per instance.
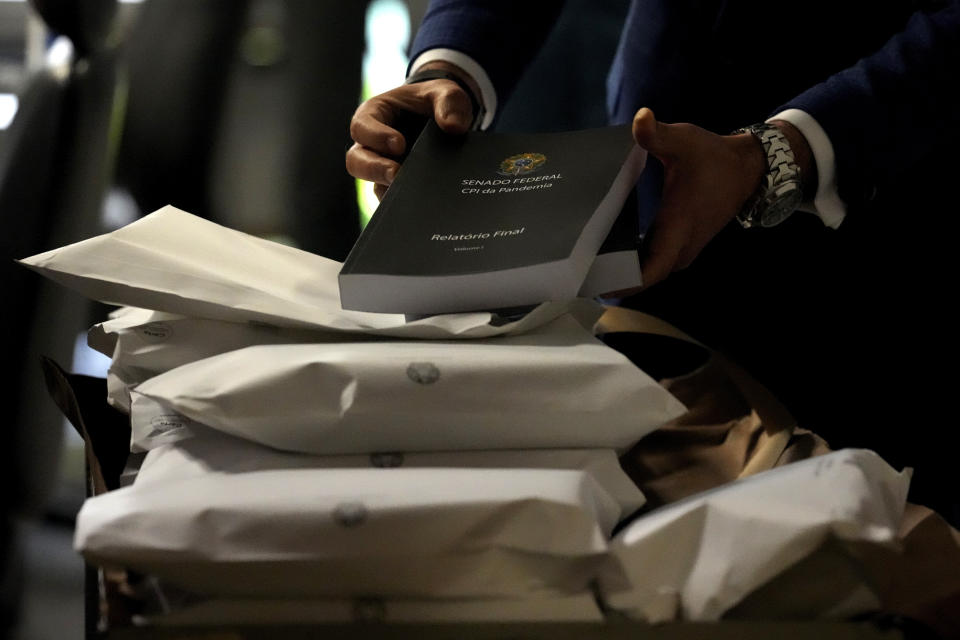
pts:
pixel 367 233
pixel 385 203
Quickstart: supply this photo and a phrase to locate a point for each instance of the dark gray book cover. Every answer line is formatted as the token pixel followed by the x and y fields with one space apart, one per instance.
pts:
pixel 487 220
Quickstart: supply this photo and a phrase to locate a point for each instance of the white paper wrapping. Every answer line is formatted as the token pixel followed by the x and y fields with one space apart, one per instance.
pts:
pixel 173 261
pixel 695 559
pixel 143 343
pixel 208 451
pixel 407 533
pixel 576 608
pixel 556 387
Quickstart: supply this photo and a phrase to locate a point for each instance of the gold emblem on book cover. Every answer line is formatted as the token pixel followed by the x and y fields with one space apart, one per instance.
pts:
pixel 522 163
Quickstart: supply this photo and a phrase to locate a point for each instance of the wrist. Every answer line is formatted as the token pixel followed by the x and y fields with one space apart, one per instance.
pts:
pixel 780 188
pixel 753 162
pixel 803 157
pixel 449 67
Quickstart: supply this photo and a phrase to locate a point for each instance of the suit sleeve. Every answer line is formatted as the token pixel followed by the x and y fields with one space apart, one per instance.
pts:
pixel 501 36
pixel 893 108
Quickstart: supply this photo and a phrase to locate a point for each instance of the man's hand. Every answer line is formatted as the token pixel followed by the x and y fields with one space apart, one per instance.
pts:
pixel 707 180
pixel 377 144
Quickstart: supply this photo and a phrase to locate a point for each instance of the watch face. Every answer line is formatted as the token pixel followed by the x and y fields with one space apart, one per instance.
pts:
pixel 783 203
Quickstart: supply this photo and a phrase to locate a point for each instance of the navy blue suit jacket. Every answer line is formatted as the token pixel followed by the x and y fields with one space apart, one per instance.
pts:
pixel 845 326
pixel 881 78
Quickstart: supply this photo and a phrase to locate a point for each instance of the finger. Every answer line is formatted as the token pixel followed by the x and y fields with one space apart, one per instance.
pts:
pixel 371 125
pixel 452 108
pixel 661 139
pixel 379 190
pixel 370 128
pixel 366 164
pixel 663 246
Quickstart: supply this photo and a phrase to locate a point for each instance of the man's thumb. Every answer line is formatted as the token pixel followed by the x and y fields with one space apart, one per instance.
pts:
pixel 647 131
pixel 454 113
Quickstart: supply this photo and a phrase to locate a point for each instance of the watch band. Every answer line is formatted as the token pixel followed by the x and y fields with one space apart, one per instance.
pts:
pixel 441 74
pixel 779 193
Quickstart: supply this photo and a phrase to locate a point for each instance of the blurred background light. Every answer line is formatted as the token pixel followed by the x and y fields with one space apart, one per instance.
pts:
pixel 8 109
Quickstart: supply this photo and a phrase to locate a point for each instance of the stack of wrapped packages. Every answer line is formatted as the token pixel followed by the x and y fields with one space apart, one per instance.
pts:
pixel 301 463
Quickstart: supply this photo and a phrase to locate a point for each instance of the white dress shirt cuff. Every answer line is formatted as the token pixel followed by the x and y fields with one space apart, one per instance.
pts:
pixel 826 203
pixel 487 93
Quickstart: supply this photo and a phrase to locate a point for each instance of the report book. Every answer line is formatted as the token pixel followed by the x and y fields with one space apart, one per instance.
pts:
pixel 617 265
pixel 491 220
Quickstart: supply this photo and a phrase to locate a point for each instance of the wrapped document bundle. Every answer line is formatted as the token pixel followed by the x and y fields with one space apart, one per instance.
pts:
pixel 208 451
pixel 173 261
pixel 404 533
pixel 219 611
pixel 143 343
pixel 695 559
pixel 556 387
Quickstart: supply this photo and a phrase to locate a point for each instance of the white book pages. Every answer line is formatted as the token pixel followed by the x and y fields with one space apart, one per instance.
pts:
pixel 612 271
pixel 695 559
pixel 556 387
pixel 176 262
pixel 208 451
pixel 407 533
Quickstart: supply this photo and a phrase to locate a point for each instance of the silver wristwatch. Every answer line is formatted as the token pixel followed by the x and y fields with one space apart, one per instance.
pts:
pixel 780 192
